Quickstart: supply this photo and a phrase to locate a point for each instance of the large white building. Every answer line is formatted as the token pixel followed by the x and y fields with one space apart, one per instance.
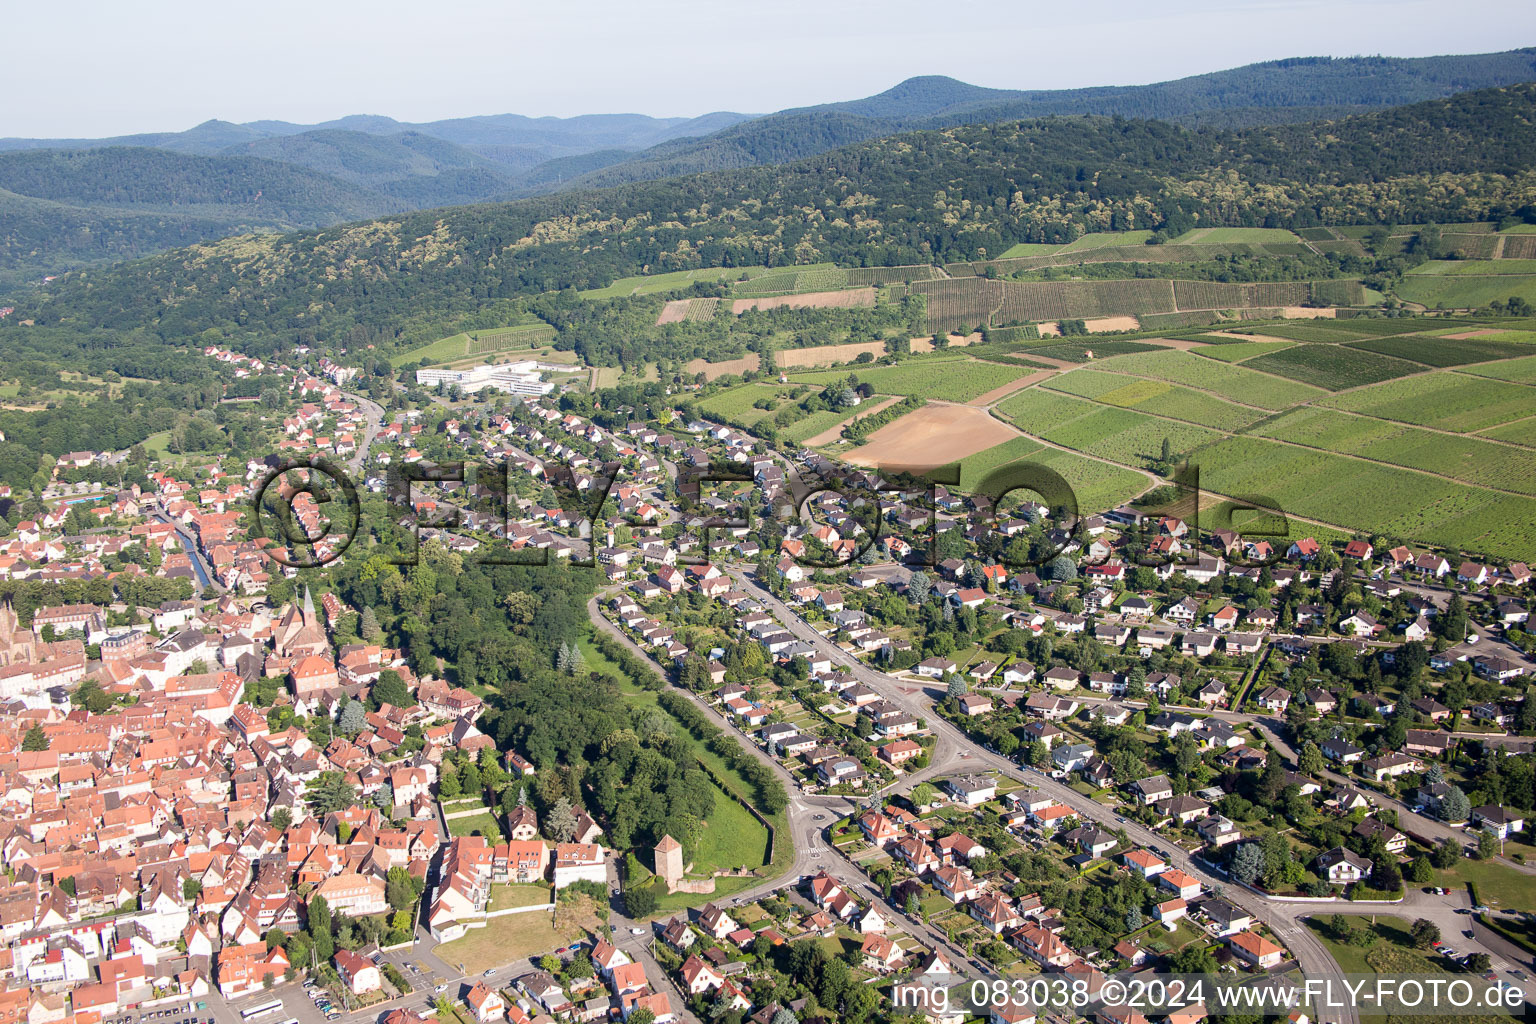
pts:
pixel 520 378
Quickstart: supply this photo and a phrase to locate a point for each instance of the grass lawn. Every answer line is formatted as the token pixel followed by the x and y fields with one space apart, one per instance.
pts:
pixel 1498 885
pixel 507 939
pixel 484 824
pixel 504 897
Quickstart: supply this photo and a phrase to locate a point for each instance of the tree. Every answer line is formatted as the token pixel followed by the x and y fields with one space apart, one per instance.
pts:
pixel 399 889
pixel 331 792
pixel 549 963
pixel 1487 845
pixel 391 689
pixel 644 1015
pixel 35 740
pixel 368 627
pixel 560 823
pixel 1455 806
pixel 918 585
pixel 190 887
pixel 923 794
pixel 1421 870
pixel 1445 856
pixel 784 1016
pixel 318 916
pixel 1424 933
pixel 1133 921
pixel 1247 863
pixel 281 819
pixel 1479 963
pixel 353 718
pixel 957 687
pixel 640 902
pixel 1310 759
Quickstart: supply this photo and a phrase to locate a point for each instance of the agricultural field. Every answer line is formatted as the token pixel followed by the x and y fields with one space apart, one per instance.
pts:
pixel 842 299
pixel 1056 300
pixel 1332 330
pixel 1216 295
pixel 1462 292
pixel 974 470
pixel 1029 249
pixel 965 303
pixel 1157 397
pixel 1255 235
pixel 650 284
pixel 1241 351
pixel 1518 432
pixel 1446 400
pixel 951 378
pixel 1334 367
pixel 1470 459
pixel 1098 485
pixel 1119 435
pixel 1474 268
pixel 1077 351
pixel 1099 239
pixel 528 334
pixel 785 281
pixel 1520 371
pixel 807 427
pixel 736 405
pixel 1442 351
pixel 1370 497
pixel 934 435
pixel 1231 382
pixel 679 310
pixel 859 277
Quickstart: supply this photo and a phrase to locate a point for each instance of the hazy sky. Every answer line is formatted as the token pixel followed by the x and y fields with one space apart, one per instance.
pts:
pixel 92 68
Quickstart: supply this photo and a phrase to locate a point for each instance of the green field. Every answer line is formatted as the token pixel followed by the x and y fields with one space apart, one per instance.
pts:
pixel 1465 292
pixel 649 284
pixel 974 468
pixel 1098 485
pixel 485 824
pixel 1242 350
pixel 734 405
pixel 1464 458
pixel 486 342
pixel 951 378
pixel 1212 236
pixel 1521 371
pixel 1473 268
pixel 1446 400
pixel 1029 249
pixel 1443 351
pixel 1370 497
pixel 1155 396
pixel 1518 432
pixel 820 277
pixel 1231 382
pixel 1334 367
pixel 1120 435
pixel 1100 239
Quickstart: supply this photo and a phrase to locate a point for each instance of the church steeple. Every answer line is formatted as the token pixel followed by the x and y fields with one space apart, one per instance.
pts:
pixel 309 607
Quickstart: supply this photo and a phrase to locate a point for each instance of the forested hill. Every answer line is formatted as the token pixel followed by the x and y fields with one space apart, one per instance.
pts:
pixel 62 208
pixel 960 193
pixel 1274 92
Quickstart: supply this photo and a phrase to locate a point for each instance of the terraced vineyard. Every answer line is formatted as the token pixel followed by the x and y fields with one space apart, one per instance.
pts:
pixel 1056 300
pixel 1216 295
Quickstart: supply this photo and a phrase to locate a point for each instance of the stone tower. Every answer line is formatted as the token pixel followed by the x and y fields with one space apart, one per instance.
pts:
pixel 669 862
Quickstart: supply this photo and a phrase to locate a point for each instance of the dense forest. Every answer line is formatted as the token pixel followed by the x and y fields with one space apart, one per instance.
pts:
pixel 959 194
pixel 1274 92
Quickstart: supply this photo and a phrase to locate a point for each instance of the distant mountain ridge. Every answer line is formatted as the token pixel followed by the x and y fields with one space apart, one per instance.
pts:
pixel 134 195
pixel 1273 92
